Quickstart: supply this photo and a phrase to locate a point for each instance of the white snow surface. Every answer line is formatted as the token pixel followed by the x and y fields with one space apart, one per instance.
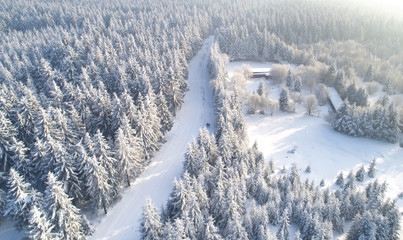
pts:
pixel 8 230
pixel 123 220
pixel 316 144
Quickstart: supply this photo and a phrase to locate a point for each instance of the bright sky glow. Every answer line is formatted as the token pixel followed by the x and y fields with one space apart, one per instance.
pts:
pixel 391 4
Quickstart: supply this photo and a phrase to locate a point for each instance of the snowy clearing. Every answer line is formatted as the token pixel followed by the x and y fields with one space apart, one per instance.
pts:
pixel 123 220
pixel 306 140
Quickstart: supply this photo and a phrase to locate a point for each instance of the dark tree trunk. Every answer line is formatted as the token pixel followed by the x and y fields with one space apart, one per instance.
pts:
pixel 128 179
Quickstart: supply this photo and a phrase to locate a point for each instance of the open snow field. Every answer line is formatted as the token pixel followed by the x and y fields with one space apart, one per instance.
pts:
pixel 316 144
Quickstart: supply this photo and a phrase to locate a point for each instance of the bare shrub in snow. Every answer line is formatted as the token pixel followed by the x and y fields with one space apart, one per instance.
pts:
pixel 246 70
pixel 322 94
pixel 239 82
pixel 297 97
pixel 311 75
pixel 311 104
pixel 279 73
pixel 272 106
pixel 257 103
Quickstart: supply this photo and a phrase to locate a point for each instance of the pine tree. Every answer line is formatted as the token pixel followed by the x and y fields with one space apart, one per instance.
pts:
pixel 387 88
pixel 127 153
pixel 283 101
pixel 210 231
pixel 339 84
pixel 102 152
pixel 7 139
pixel 371 169
pixel 340 180
pixel 360 174
pixel 391 127
pixel 21 198
pixel 39 227
pixel 351 93
pixel 60 212
pixel 262 90
pixel 148 129
pixel 164 114
pixel 289 82
pixel 150 226
pixel 298 84
pixel 191 163
pixel 96 179
pixel 369 75
pixel 283 232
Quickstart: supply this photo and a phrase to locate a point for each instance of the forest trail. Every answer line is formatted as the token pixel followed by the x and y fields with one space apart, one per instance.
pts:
pixel 123 219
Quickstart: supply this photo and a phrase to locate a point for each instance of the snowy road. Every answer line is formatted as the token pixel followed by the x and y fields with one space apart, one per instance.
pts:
pixel 122 221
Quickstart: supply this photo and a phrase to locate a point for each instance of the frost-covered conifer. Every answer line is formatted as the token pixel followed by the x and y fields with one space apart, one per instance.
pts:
pixel 340 180
pixel 127 153
pixel 298 84
pixel 369 75
pixel 289 81
pixel 60 211
pixel 150 226
pixel 371 169
pixel 283 101
pixel 283 229
pixel 39 227
pixel 21 198
pixel 262 90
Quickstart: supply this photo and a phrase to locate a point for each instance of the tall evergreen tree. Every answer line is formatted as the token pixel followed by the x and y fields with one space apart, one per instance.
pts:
pixel 39 226
pixel 283 101
pixel 62 214
pixel 150 226
pixel 21 198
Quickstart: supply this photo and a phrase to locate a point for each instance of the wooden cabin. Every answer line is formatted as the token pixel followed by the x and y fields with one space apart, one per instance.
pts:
pixel 265 75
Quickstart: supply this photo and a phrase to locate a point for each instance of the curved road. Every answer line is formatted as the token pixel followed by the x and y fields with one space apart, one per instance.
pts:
pixel 123 220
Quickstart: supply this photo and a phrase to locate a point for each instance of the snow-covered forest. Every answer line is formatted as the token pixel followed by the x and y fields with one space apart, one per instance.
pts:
pixel 228 191
pixel 89 90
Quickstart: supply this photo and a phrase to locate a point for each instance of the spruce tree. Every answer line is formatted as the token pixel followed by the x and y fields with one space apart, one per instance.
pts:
pixel 340 180
pixel 283 229
pixel 39 227
pixel 289 82
pixel 360 174
pixel 369 75
pixel 60 211
pixel 298 84
pixel 150 226
pixel 21 198
pixel 371 169
pixel 283 101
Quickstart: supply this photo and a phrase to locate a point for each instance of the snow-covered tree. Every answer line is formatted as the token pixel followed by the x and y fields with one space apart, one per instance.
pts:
pixel 60 211
pixel 150 226
pixel 283 101
pixel 311 103
pixel 283 229
pixel 298 84
pixel 340 180
pixel 262 90
pixel 21 198
pixel 127 153
pixel 371 169
pixel 96 179
pixel 289 81
pixel 39 227
pixel 369 75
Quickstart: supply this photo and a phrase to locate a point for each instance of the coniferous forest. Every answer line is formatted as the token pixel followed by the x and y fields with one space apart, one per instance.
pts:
pixel 89 90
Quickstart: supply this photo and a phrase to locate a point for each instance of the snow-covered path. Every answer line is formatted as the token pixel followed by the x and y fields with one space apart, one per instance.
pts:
pixel 122 221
